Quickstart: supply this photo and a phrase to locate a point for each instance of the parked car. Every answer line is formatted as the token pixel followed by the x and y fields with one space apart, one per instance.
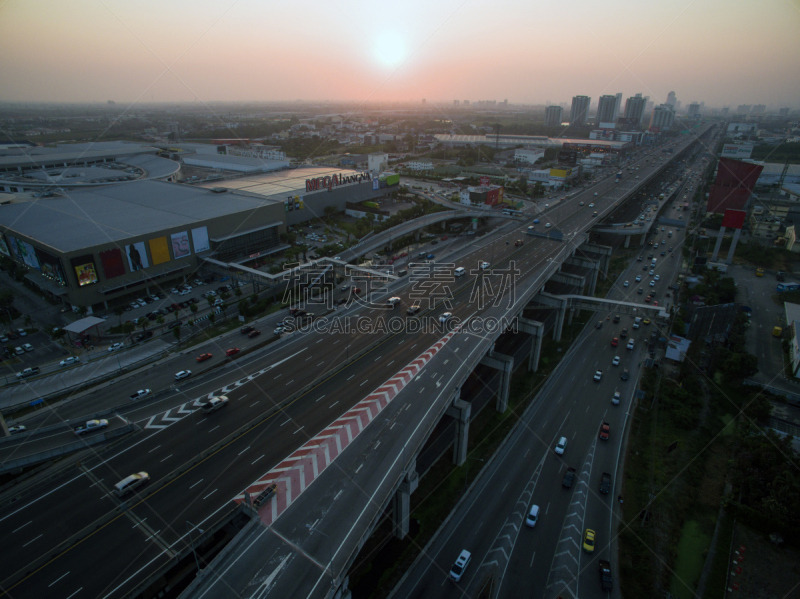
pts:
pixel 27 347
pixel 116 346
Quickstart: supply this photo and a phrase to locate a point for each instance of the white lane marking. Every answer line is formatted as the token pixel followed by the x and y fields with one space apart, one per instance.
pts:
pixel 210 494
pixel 359 468
pixel 138 523
pixel 21 527
pixel 197 483
pixel 245 449
pixel 351 376
pixel 333 404
pixel 154 448
pixel 56 580
pixel 390 363
pixel 32 540
pixel 254 403
pixel 75 593
pixel 166 458
pixel 298 430
pixel 287 422
pixel 213 429
pixel 258 458
pixel 320 397
pixel 364 383
pixel 321 363
pixel 289 383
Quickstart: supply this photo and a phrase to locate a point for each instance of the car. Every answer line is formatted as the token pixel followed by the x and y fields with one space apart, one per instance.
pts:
pixel 204 357
pixel 591 205
pixel 595 194
pixel 615 398
pixel 91 426
pixel 182 374
pixel 532 517
pixel 626 284
pixel 638 278
pixel 116 346
pixel 444 318
pixel 655 303
pixel 535 221
pixel 344 287
pixel 144 335
pixel 630 343
pixel 130 483
pixel 210 293
pixel 625 374
pixel 531 228
pixel 606 581
pixel 614 342
pixel 547 225
pixel 518 243
pixel 460 565
pixel 69 361
pixel 594 214
pixel 598 375
pixel 652 272
pixel 581 204
pixel 27 347
pixel 615 361
pixel 652 283
pixel 588 540
pixel 561 446
pixel 278 330
pixel 639 259
pixel 569 478
pixel 13 430
pixel 245 330
pixel 219 302
pixel 254 333
pixel 140 394
pixel 605 431
pixel 484 265
pixel 645 320
pixel 430 256
pixel 623 333
pixel 232 351
pixel 648 298
pixel 214 404
pixel 32 371
pixel 656 278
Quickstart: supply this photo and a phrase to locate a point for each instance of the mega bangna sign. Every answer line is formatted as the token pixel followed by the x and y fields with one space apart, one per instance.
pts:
pixel 331 182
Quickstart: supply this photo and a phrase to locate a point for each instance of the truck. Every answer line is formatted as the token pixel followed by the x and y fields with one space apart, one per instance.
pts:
pixel 606 582
pixel 91 426
pixel 32 371
pixel 605 482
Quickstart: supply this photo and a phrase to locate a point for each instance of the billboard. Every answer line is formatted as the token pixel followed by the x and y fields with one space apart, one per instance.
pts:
pixel 159 250
pixel 51 267
pixel 200 240
pixel 24 252
pixel 739 151
pixel 4 247
pixel 485 181
pixel 375 184
pixel 180 244
pixel 113 265
pixel 569 157
pixel 734 219
pixel 137 256
pixel 84 270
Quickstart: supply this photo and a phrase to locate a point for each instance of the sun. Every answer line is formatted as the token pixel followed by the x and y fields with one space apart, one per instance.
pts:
pixel 390 49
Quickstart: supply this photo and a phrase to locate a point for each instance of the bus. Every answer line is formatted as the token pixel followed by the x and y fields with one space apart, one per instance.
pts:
pixel 783 287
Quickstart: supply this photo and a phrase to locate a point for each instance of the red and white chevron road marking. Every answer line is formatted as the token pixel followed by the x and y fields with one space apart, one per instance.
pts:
pixel 294 474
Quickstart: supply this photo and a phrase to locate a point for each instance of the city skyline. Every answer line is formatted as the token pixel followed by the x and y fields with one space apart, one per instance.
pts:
pixel 248 52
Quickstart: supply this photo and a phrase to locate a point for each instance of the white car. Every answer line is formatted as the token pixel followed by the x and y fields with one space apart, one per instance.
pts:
pixel 445 317
pixel 547 226
pixel 561 446
pixel 69 361
pixel 598 375
pixel 591 205
pixel 652 272
pixel 116 346
pixel 626 284
pixel 638 278
pixel 484 265
pixel 630 344
pixel 615 361
pixel 27 347
pixel 13 430
pixel 652 283
pixel 615 399
pixel 581 203
pixel 655 278
pixel 533 516
pixel 278 330
pixel 595 194
pixel 182 374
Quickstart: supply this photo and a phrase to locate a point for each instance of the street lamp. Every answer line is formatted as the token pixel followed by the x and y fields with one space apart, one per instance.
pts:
pixel 191 542
pixel 330 553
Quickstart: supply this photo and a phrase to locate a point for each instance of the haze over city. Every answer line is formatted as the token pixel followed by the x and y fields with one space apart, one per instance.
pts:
pixel 713 51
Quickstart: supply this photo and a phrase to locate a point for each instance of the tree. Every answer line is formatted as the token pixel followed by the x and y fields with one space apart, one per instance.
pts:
pixel 238 292
pixel 177 332
pixel 193 309
pixel 160 319
pixel 330 211
pixel 119 311
pixel 6 301
pixel 128 328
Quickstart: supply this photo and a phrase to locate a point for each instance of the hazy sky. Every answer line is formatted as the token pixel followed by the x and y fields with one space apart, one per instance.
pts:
pixel 723 52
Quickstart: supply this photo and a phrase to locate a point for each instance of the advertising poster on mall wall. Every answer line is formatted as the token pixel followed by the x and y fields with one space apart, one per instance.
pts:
pixel 4 247
pixel 137 256
pixel 159 250
pixel 24 252
pixel 51 267
pixel 200 240
pixel 113 263
pixel 85 270
pixel 180 244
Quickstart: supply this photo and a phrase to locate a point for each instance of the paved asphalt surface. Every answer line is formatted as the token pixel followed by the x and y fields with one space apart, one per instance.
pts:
pixel 76 499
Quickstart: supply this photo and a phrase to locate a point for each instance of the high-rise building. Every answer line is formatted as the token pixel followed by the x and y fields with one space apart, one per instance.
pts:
pixel 663 117
pixel 783 112
pixel 617 105
pixel 694 110
pixel 671 99
pixel 580 109
pixel 553 116
pixel 456 103
pixel 634 108
pixel 759 109
pixel 605 109
pixel 743 109
pixel 726 110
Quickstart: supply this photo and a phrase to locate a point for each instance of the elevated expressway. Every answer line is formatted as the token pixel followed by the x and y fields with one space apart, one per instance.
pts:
pixel 307 389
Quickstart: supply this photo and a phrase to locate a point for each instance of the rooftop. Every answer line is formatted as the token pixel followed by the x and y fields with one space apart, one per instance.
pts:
pixel 281 184
pixel 115 213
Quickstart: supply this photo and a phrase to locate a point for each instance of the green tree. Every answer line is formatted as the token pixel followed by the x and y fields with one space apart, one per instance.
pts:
pixel 119 311
pixel 177 333
pixel 238 291
pixel 160 319
pixel 193 309
pixel 128 328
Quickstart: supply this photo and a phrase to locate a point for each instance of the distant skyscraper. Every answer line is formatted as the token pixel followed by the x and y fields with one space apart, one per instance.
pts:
pixel 694 110
pixel 466 102
pixel 617 105
pixel 783 112
pixel 634 108
pixel 726 110
pixel 759 109
pixel 553 116
pixel 605 109
pixel 743 109
pixel 456 103
pixel 671 99
pixel 580 109
pixel 663 117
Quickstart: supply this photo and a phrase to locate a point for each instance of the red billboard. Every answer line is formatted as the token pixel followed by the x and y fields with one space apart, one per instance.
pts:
pixel 493 196
pixel 733 186
pixel 485 181
pixel 734 219
pixel 112 263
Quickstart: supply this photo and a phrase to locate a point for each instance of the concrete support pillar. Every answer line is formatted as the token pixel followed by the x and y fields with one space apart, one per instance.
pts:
pixel 732 249
pixel 536 330
pixel 593 281
pixel 460 411
pixel 558 329
pixel 505 364
pixel 401 502
pixel 718 244
pixel 642 239
pixel 627 241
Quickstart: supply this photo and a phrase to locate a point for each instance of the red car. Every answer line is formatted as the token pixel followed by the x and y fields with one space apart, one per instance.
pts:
pixel 605 431
pixel 204 357
pixel 647 299
pixel 614 342
pixel 655 303
pixel 232 351
pixel 252 334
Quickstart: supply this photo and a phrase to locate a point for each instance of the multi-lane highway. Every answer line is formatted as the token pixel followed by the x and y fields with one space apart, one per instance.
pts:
pixel 69 536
